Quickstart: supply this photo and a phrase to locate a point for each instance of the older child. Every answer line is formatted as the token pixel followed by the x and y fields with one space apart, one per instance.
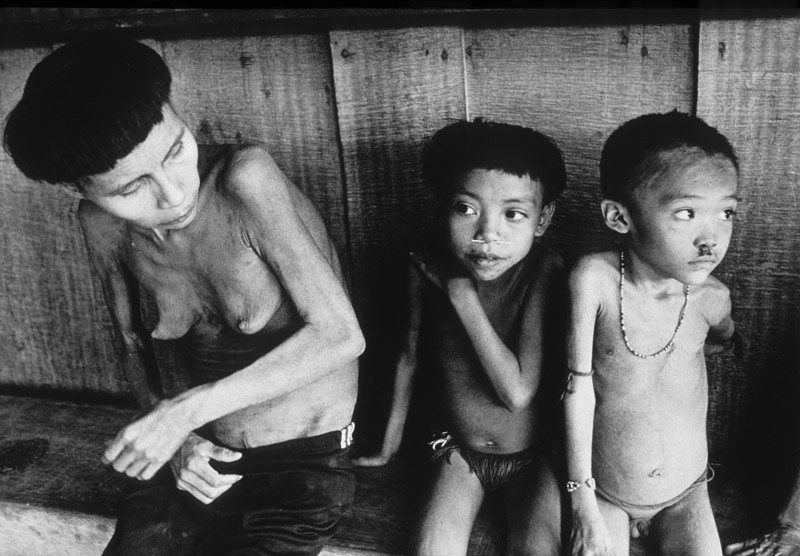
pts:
pixel 480 302
pixel 240 269
pixel 641 320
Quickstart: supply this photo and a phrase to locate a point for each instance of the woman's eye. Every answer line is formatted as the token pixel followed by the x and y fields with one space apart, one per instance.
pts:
pixel 178 150
pixel 515 215
pixel 684 214
pixel 131 190
pixel 463 208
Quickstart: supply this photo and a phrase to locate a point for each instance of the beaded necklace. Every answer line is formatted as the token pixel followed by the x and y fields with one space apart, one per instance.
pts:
pixel 671 344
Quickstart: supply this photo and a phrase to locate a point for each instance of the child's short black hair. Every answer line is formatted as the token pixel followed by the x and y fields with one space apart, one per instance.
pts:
pixel 85 106
pixel 631 155
pixel 463 146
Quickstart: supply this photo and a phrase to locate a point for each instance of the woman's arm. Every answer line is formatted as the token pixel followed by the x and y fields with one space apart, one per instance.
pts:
pixel 329 338
pixel 403 380
pixel 134 349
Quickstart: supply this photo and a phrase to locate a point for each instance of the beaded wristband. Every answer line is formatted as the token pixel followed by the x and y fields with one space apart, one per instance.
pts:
pixel 572 486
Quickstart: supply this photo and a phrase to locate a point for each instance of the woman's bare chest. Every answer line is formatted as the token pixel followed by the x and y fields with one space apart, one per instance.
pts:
pixel 210 283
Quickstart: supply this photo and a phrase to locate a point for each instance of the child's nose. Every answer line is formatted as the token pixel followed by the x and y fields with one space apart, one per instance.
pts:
pixel 706 239
pixel 488 230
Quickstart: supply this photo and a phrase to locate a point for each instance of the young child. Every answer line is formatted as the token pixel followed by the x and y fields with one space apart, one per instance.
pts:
pixel 480 301
pixel 641 320
pixel 245 281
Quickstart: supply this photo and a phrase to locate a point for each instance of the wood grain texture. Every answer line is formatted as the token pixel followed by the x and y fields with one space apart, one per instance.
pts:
pixel 748 83
pixel 54 331
pixel 577 84
pixel 394 88
pixel 275 90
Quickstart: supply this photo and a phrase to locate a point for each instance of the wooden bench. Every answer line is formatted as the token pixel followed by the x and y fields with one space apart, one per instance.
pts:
pixel 56 498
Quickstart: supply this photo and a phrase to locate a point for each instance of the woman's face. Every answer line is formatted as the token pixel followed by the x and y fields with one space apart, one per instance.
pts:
pixel 157 184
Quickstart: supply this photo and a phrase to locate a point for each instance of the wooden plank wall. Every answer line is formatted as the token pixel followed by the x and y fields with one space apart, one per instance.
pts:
pixel 748 83
pixel 345 113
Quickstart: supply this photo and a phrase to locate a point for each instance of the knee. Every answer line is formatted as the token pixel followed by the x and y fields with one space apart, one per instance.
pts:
pixel 427 542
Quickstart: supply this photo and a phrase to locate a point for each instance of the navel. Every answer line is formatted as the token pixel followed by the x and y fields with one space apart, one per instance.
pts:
pixel 655 473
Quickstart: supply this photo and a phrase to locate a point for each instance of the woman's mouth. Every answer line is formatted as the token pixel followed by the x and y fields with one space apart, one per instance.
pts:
pixel 182 217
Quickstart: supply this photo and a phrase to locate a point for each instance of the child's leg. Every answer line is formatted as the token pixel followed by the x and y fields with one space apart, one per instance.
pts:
pixel 449 510
pixel 687 527
pixel 618 525
pixel 534 512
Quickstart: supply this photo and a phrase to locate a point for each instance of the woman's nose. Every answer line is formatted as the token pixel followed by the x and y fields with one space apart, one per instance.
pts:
pixel 171 191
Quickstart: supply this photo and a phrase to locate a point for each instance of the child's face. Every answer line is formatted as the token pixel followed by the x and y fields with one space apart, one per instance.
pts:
pixel 157 184
pixel 682 222
pixel 493 220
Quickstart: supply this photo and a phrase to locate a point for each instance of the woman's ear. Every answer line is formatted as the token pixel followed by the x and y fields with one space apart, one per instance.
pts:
pixel 615 215
pixel 72 190
pixel 545 217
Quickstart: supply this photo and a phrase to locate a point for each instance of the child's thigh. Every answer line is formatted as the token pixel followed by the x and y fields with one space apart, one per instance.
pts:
pixel 687 527
pixel 534 510
pixel 618 525
pixel 448 510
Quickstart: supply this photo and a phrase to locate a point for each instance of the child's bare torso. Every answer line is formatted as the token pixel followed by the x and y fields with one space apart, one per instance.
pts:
pixel 474 413
pixel 212 289
pixel 649 440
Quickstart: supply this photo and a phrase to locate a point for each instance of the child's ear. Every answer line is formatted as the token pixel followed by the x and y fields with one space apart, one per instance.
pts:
pixel 72 190
pixel 615 215
pixel 544 218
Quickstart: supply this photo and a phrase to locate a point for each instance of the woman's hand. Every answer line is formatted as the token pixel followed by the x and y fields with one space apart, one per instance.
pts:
pixel 143 447
pixel 589 536
pixel 783 541
pixel 193 472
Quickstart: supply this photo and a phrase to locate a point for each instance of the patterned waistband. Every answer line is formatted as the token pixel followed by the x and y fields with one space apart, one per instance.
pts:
pixel 320 445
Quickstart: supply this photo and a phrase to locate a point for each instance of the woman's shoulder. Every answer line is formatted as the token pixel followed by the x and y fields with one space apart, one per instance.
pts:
pixel 102 231
pixel 244 169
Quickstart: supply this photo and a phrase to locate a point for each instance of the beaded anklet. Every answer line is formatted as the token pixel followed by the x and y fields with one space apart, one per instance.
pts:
pixel 671 344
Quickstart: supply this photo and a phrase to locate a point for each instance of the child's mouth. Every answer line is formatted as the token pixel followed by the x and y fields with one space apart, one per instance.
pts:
pixel 483 260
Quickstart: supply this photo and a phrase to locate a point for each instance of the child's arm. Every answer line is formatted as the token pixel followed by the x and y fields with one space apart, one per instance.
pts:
pixel 403 380
pixel 722 334
pixel 514 376
pixel 589 533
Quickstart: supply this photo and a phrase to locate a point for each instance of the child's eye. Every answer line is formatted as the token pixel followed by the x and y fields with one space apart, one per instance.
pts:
pixel 463 208
pixel 728 214
pixel 684 214
pixel 515 215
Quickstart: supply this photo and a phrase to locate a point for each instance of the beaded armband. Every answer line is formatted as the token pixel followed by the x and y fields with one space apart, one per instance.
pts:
pixel 572 486
pixel 571 374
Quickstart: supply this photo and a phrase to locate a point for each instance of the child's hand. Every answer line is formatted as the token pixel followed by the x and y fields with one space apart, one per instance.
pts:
pixel 783 541
pixel 193 473
pixel 432 272
pixel 589 536
pixel 450 282
pixel 373 461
